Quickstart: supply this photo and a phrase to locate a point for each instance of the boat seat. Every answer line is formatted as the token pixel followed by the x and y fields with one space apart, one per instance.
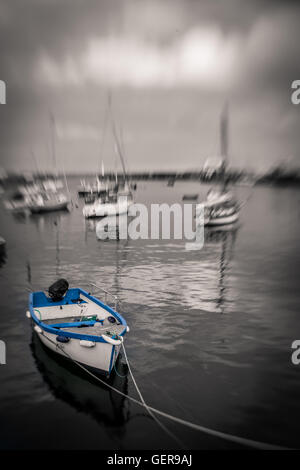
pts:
pixel 97 329
pixel 52 321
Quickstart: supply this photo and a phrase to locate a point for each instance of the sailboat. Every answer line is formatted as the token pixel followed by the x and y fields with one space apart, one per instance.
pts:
pixel 87 189
pixel 221 207
pixel 116 200
pixel 100 185
pixel 50 196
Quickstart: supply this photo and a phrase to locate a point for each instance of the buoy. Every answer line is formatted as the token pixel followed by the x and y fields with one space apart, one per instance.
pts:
pixel 28 314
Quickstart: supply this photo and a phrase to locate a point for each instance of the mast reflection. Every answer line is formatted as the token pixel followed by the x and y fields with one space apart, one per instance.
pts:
pixel 226 237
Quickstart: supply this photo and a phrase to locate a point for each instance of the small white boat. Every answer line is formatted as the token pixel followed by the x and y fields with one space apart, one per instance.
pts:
pixel 90 189
pixel 19 201
pixel 222 216
pixel 114 203
pixel 78 326
pixel 220 208
pixel 48 202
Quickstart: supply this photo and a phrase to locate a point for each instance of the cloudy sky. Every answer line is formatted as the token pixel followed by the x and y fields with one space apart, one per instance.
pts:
pixel 168 65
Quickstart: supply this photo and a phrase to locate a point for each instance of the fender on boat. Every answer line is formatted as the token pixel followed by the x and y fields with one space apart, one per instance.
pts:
pixel 38 329
pixel 115 342
pixel 87 344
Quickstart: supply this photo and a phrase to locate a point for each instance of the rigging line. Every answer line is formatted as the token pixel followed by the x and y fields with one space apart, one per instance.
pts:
pixel 66 182
pixel 118 147
pixel 197 427
pixel 244 202
pixel 106 117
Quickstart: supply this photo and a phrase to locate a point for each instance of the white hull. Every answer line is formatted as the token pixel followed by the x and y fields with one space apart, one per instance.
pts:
pixel 229 219
pixel 106 209
pixel 101 356
pixel 49 207
pixel 16 206
pixel 79 327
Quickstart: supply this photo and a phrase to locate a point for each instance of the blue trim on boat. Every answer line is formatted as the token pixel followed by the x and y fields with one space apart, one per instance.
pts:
pixel 75 323
pixel 39 299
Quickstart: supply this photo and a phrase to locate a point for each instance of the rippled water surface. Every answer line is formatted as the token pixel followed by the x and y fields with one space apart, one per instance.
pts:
pixel 210 338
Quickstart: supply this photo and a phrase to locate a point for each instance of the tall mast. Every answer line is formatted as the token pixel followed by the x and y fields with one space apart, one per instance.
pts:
pixel 54 159
pixel 224 141
pixel 118 146
pixel 106 116
pixel 119 149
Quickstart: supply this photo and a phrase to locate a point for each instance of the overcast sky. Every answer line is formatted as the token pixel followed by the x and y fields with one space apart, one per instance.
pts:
pixel 169 65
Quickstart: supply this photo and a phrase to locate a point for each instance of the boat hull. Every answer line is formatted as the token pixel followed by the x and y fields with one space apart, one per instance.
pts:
pixel 216 221
pixel 49 207
pixel 106 210
pixel 89 192
pixel 101 357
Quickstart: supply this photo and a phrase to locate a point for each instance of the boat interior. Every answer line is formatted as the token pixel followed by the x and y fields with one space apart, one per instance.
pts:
pixel 76 313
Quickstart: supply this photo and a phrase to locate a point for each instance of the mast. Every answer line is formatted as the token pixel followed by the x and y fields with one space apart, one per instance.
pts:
pixel 224 142
pixel 54 159
pixel 119 150
pixel 106 117
pixel 118 146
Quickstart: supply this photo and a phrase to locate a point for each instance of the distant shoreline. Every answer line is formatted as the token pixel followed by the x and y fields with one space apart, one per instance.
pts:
pixel 277 176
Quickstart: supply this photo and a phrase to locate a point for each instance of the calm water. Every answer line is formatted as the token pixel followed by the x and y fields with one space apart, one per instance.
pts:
pixel 210 339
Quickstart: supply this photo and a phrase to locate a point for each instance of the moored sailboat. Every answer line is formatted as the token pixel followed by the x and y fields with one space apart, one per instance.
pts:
pixel 221 207
pixel 50 196
pixel 115 200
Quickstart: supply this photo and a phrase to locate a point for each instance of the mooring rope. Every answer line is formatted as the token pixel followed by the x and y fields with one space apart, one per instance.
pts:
pixel 197 427
pixel 164 428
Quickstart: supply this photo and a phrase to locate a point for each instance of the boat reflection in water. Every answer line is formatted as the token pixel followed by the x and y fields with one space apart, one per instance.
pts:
pixel 109 228
pixel 77 388
pixel 198 279
pixel 224 236
pixel 3 255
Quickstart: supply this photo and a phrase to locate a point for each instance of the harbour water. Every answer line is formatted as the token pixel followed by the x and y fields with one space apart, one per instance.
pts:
pixel 210 330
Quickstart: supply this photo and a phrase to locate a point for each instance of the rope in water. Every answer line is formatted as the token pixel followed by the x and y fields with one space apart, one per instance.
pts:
pixel 212 432
pixel 164 428
pixel 109 386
